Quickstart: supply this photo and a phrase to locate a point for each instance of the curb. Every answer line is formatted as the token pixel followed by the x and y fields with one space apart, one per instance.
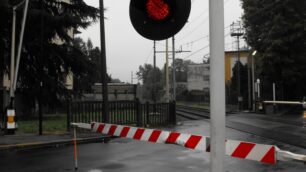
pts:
pixel 50 144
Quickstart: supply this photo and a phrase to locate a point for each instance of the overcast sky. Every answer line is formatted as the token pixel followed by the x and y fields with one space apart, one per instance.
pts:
pixel 127 50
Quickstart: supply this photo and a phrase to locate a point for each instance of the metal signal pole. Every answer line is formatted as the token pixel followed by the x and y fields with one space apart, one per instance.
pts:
pixel 154 73
pixel 103 63
pixel 167 72
pixel 173 69
pixel 217 85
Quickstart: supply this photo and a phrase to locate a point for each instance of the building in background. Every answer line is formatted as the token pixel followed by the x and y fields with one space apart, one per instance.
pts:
pixel 198 82
pixel 198 77
pixel 231 58
pixel 116 92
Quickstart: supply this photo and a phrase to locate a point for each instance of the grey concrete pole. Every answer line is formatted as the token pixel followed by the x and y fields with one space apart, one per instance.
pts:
pixel 258 91
pixel 274 97
pixel 167 73
pixel 238 75
pixel 25 12
pixel 173 69
pixel 12 69
pixel 217 85
pixel 274 92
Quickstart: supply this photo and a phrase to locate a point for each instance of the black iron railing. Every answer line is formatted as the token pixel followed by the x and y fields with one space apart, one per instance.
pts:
pixel 122 112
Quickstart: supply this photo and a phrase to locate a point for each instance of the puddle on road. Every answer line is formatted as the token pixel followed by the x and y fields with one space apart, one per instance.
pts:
pixel 112 166
pixel 95 170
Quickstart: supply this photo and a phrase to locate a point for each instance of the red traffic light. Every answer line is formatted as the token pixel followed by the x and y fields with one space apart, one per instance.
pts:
pixel 157 9
pixel 159 19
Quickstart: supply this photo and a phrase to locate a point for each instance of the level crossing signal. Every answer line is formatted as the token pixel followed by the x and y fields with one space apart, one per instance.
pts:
pixel 159 19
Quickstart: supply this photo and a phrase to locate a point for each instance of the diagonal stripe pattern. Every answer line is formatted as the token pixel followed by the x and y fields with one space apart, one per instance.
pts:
pixel 238 149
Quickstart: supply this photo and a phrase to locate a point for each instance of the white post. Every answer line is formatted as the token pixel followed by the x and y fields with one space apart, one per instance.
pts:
pixel 274 99
pixel 167 72
pixel 217 85
pixel 258 88
pixel 25 12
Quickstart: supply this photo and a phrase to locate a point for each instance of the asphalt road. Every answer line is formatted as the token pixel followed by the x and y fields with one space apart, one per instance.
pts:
pixel 132 156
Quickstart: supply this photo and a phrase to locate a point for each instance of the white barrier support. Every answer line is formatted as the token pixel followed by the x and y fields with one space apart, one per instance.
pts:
pixel 268 154
pixel 284 102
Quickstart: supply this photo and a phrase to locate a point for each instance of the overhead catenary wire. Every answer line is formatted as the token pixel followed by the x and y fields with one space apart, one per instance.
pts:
pixel 149 55
pixel 199 50
pixel 201 38
pixel 195 19
pixel 201 14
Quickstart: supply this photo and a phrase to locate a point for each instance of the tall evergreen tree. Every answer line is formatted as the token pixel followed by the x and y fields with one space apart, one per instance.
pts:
pixel 276 29
pixel 48 54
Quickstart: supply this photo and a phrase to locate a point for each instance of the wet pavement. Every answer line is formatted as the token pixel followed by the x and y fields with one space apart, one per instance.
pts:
pixel 30 141
pixel 282 128
pixel 135 156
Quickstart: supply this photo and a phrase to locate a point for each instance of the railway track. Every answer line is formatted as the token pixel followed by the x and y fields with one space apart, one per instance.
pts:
pixel 296 139
pixel 192 113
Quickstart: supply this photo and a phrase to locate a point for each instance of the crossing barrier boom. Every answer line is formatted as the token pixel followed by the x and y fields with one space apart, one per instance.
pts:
pixel 268 154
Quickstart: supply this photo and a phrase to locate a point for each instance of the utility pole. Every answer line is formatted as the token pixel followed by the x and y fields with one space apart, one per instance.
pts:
pixel 14 78
pixel 237 31
pixel 13 52
pixel 11 109
pixel 173 64
pixel 103 63
pixel 132 77
pixel 167 73
pixel 154 72
pixel 217 85
pixel 40 106
pixel 173 69
pixel 25 12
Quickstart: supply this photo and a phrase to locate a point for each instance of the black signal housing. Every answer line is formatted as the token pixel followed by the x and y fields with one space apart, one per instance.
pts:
pixel 151 25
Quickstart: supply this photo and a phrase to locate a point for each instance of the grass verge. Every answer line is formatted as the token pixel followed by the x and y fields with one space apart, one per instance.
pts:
pixel 51 125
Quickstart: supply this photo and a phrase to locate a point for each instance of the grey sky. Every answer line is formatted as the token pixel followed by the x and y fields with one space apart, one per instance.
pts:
pixel 127 50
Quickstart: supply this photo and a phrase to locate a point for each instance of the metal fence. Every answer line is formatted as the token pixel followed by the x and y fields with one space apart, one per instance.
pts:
pixel 122 112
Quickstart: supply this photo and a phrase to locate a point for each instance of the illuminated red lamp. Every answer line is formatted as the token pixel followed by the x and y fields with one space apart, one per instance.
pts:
pixel 159 19
pixel 157 9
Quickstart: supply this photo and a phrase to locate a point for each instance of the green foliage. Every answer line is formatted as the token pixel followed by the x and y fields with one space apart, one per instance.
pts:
pixel 152 81
pixel 4 32
pixel 51 124
pixel 181 67
pixel 146 74
pixel 232 87
pixel 48 53
pixel 277 30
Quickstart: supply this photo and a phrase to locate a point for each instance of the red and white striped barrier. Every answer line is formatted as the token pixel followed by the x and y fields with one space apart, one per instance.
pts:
pixel 268 154
pixel 244 150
